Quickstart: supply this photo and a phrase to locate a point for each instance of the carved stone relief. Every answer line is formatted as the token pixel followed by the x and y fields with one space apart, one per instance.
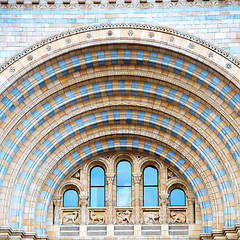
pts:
pixel 124 216
pixel 151 217
pixel 177 216
pixel 96 217
pixel 70 217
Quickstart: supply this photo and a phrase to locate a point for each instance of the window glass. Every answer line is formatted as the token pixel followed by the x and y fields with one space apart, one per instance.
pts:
pixel 177 197
pixel 124 184
pixel 97 187
pixel 150 186
pixel 70 198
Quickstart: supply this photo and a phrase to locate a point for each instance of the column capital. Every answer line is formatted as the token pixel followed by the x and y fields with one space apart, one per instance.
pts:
pixel 137 177
pixel 83 197
pixel 110 178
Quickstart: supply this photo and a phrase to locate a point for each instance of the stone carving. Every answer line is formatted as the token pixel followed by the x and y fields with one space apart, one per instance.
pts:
pixel 123 216
pixel 97 217
pixel 151 217
pixel 71 32
pixel 177 217
pixel 70 217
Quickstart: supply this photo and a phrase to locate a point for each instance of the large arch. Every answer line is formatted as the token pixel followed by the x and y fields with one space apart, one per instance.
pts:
pixel 119 87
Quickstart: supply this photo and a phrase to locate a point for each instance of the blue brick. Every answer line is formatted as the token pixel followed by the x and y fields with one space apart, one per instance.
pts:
pixel 139 59
pixel 12 145
pixel 121 87
pixel 127 56
pixel 188 172
pixel 134 88
pixel 33 165
pixel 228 197
pixel 153 120
pixel 27 176
pixel 59 137
pixel 101 58
pixel 92 120
pixel 195 182
pixel 206 217
pixel 60 103
pixel 116 116
pixel 190 70
pixel 140 118
pixel 231 142
pixel 219 174
pixel 99 147
pixel 171 95
pixel 165 61
pixel 158 150
pixel 129 116
pixel 223 132
pixel 49 145
pixel 19 134
pixel 71 96
pixel 194 107
pixel 88 60
pixel 18 95
pixel 159 90
pixel 77 157
pixel 123 143
pixel 8 104
pixel 84 93
pixel 69 130
pixel 205 204
pixel 51 73
pixel 146 89
pixel 201 192
pixel 183 100
pixel 28 86
pixel 152 59
pixel 76 63
pixel 202 76
pixel 6 156
pixel 110 143
pixel 36 114
pixel 68 165
pixel 169 156
pixel 3 170
pixel 165 123
pixel 2 116
pixel 212 85
pixel 147 146
pixel 175 129
pixel 234 100
pixel 49 109
pixel 205 114
pixel 225 90
pixel 87 151
pixel 196 144
pixel 41 155
pixel 27 124
pixel 114 56
pixel 59 173
pixel 96 89
pixel 186 135
pixel 178 65
pixel 205 152
pixel 135 143
pixel 104 116
pixel 80 124
pixel 109 88
pixel 39 79
pixel 229 223
pixel 63 66
pixel 224 185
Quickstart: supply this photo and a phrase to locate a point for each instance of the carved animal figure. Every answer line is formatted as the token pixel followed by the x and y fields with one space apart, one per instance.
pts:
pixel 178 217
pixel 70 217
pixel 123 216
pixel 97 217
pixel 151 217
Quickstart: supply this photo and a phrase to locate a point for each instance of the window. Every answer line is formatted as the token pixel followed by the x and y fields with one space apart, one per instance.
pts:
pixel 177 197
pixel 97 187
pixel 150 186
pixel 124 184
pixel 70 198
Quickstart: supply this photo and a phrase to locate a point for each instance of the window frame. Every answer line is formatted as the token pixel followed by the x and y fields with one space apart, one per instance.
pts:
pixel 104 187
pixel 123 160
pixel 68 189
pixel 151 186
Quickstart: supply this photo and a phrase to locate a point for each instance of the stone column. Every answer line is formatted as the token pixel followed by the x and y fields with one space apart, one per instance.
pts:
pixel 137 180
pixel 83 202
pixel 110 179
pixel 164 205
pixel 57 211
pixel 191 202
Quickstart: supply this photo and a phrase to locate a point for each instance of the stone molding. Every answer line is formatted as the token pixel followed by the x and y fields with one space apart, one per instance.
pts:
pixel 104 26
pixel 37 5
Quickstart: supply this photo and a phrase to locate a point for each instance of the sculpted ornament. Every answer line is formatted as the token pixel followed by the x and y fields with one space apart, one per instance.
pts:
pixel 97 217
pixel 123 216
pixel 177 217
pixel 70 217
pixel 151 217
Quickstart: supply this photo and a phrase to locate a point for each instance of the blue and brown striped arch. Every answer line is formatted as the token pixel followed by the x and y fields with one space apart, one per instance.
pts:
pixel 75 103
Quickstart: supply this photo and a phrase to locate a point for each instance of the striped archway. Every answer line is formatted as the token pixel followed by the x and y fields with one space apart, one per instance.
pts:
pixel 107 88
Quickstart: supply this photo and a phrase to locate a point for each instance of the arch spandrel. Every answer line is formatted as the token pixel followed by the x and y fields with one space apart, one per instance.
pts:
pixel 169 90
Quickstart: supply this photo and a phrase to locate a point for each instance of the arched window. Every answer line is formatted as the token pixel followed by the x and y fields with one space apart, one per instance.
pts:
pixel 150 186
pixel 97 187
pixel 177 197
pixel 70 198
pixel 124 184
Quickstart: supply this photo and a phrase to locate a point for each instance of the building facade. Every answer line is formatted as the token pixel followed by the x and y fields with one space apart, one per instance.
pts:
pixel 119 120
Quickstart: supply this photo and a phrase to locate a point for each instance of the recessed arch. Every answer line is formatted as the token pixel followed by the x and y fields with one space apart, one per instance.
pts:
pixel 163 94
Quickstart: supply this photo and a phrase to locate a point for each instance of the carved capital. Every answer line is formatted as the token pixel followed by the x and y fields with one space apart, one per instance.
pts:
pixel 137 177
pixel 83 197
pixel 110 178
pixel 57 200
